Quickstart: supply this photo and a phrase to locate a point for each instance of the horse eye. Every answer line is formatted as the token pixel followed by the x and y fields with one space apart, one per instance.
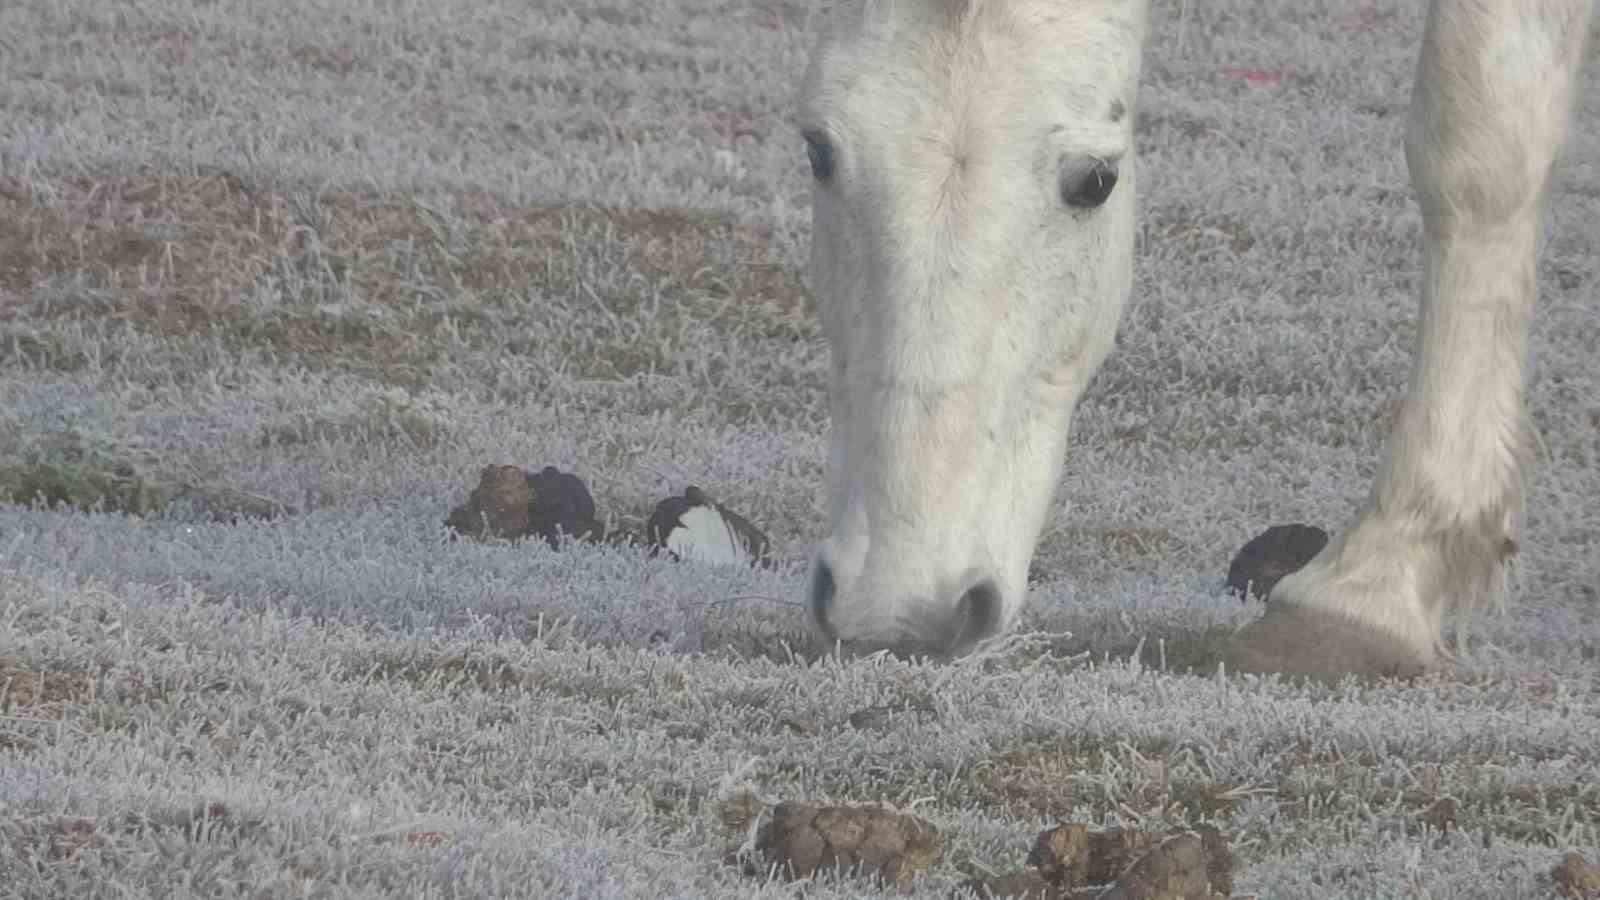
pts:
pixel 820 153
pixel 1087 184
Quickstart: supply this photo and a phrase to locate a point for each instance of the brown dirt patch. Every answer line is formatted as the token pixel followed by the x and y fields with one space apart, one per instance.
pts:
pixel 1047 778
pixel 1075 549
pixel 28 687
pixel 61 839
pixel 1200 236
pixel 16 743
pixel 1120 543
pixel 55 840
pixel 46 690
pixel 454 673
pixel 67 469
pixel 370 284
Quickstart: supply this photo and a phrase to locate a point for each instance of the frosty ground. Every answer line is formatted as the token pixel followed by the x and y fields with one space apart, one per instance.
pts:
pixel 334 258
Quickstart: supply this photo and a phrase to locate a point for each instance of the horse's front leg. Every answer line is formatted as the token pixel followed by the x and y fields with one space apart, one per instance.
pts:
pixel 1489 113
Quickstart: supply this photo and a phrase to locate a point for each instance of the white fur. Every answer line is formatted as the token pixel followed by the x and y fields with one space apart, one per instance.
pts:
pixel 967 306
pixel 703 535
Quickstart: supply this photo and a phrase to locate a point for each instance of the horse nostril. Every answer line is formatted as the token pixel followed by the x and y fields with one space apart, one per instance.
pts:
pixel 1086 183
pixel 978 616
pixel 822 591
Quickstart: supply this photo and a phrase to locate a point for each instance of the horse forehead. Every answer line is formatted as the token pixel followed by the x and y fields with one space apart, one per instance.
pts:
pixel 950 50
pixel 946 24
pixel 960 14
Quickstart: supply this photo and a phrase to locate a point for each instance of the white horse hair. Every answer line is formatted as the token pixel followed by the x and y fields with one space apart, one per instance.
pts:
pixel 972 253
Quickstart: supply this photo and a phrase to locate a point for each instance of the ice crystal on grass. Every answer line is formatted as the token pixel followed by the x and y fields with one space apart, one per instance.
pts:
pixel 341 262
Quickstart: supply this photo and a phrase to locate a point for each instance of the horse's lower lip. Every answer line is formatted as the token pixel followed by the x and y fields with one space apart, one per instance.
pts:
pixel 976 620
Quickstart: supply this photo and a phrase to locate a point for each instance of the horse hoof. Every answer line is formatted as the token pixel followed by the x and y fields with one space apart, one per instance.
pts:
pixel 1270 555
pixel 693 526
pixel 1304 642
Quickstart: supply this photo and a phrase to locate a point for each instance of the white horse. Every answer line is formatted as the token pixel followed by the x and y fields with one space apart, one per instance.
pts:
pixel 973 245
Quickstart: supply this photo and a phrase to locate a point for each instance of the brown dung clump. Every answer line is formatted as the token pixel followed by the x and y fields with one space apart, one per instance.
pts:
pixel 802 840
pixel 1074 862
pixel 1576 878
pixel 509 503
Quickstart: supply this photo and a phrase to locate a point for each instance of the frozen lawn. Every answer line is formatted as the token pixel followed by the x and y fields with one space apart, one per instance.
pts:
pixel 333 258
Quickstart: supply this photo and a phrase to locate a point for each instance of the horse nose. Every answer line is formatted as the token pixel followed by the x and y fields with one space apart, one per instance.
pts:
pixel 945 630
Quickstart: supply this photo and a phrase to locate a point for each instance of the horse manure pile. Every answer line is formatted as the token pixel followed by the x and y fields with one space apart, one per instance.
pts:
pixel 1072 860
pixel 802 840
pixel 510 503
pixel 1576 878
pixel 1069 861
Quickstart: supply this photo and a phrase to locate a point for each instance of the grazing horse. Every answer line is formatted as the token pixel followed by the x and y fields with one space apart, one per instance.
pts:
pixel 972 252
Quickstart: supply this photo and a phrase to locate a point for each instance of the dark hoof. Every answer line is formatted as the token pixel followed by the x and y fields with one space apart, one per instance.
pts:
pixel 693 526
pixel 1272 554
pixel 562 506
pixel 1305 642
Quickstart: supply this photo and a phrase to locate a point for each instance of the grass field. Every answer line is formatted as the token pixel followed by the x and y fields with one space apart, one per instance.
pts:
pixel 325 260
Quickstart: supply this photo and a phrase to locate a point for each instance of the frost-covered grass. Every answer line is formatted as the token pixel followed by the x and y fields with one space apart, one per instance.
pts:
pixel 339 256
